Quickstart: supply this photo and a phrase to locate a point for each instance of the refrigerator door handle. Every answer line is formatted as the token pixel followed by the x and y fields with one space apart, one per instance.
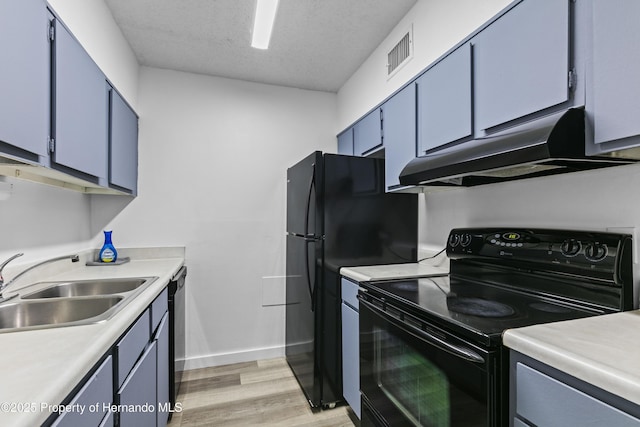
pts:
pixel 309 238
pixel 312 184
pixel 312 290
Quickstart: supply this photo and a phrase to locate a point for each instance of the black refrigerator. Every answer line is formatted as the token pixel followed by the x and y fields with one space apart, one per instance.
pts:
pixel 338 215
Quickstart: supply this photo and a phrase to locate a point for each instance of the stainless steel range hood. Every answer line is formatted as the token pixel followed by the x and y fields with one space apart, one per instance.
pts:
pixel 551 145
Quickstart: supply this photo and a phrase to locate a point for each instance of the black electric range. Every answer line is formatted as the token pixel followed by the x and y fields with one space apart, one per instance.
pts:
pixel 450 328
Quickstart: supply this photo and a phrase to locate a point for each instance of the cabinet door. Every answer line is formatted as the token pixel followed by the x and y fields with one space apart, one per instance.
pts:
pixel 351 358
pixel 130 346
pixel 521 62
pixel 96 393
pixel 140 389
pixel 399 114
pixel 24 76
pixel 345 142
pixel 615 102
pixel 162 377
pixel 123 144
pixel 367 133
pixel 445 101
pixel 81 101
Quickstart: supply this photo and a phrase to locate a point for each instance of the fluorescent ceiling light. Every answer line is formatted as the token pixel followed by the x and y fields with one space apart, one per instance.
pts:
pixel 263 24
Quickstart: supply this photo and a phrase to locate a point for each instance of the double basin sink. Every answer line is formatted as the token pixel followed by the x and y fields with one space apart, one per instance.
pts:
pixel 69 303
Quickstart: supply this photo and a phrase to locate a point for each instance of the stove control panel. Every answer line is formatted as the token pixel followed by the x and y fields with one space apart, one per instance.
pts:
pixel 566 250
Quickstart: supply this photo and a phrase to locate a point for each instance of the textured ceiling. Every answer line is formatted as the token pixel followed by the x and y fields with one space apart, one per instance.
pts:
pixel 316 44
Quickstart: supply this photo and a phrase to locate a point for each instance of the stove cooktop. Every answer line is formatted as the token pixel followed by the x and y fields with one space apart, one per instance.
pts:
pixel 478 309
pixel 508 278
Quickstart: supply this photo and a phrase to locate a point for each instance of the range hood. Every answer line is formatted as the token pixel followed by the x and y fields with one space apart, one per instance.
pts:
pixel 550 145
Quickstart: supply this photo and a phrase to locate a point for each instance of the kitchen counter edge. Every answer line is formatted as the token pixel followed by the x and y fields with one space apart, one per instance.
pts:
pixel 599 350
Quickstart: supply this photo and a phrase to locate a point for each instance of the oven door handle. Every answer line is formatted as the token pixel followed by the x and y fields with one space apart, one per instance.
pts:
pixel 456 350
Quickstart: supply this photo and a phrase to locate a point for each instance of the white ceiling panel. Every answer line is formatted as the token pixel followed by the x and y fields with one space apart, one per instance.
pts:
pixel 316 44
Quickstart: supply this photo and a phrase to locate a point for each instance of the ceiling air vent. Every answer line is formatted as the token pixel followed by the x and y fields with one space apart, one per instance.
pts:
pixel 400 54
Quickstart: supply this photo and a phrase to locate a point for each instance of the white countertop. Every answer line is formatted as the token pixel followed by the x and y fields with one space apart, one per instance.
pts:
pixel 600 350
pixel 394 271
pixel 41 367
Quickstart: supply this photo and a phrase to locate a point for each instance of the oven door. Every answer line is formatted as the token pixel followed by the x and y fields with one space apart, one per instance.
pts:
pixel 415 374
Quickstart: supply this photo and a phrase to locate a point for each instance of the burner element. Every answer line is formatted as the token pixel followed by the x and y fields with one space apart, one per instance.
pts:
pixel 549 308
pixel 479 307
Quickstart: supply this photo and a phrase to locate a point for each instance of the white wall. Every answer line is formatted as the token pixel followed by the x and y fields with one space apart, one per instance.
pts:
pixel 39 221
pixel 590 200
pixel 213 159
pixel 438 25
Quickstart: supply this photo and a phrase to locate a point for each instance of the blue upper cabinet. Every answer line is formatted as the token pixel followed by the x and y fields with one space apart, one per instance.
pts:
pixel 445 101
pixel 614 103
pixel 123 144
pixel 345 142
pixel 399 113
pixel 24 78
pixel 521 62
pixel 81 102
pixel 367 133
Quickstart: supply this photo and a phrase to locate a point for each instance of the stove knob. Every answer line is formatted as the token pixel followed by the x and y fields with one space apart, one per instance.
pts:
pixel 454 240
pixel 465 240
pixel 570 247
pixel 596 251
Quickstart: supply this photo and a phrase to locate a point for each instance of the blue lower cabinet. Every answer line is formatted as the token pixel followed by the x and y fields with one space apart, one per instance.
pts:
pixel 543 396
pixel 131 386
pixel 162 378
pixel 351 346
pixel 137 396
pixel 93 400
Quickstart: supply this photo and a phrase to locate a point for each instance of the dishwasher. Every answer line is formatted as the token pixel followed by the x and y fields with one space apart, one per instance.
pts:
pixel 177 343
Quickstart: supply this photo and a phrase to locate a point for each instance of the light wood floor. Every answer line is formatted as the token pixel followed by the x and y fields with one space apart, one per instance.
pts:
pixel 263 393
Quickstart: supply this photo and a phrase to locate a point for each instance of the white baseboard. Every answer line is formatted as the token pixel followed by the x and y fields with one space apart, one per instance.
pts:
pixel 207 361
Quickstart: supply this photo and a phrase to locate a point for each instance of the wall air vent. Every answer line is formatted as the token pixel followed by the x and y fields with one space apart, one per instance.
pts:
pixel 400 54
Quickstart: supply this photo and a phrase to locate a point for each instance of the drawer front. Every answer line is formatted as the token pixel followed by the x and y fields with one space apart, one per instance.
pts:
pixel 131 346
pixel 350 293
pixel 158 308
pixel 545 401
pixel 97 393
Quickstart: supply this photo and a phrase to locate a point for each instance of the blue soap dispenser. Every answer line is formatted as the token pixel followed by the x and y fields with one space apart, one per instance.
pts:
pixel 108 252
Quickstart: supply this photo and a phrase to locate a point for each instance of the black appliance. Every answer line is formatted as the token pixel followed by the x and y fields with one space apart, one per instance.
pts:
pixel 431 348
pixel 337 215
pixel 177 343
pixel 546 146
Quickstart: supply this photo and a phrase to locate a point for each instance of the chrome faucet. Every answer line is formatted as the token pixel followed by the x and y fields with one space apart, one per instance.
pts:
pixel 3 285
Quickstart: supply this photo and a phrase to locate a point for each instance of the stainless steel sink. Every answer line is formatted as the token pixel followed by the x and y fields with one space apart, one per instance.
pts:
pixel 37 314
pixel 69 303
pixel 85 288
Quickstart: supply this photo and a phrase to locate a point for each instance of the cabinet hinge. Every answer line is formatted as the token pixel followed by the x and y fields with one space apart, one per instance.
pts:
pixel 572 79
pixel 52 32
pixel 52 145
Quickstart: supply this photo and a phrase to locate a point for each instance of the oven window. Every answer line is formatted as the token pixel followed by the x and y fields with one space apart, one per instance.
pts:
pixel 415 386
pixel 406 380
